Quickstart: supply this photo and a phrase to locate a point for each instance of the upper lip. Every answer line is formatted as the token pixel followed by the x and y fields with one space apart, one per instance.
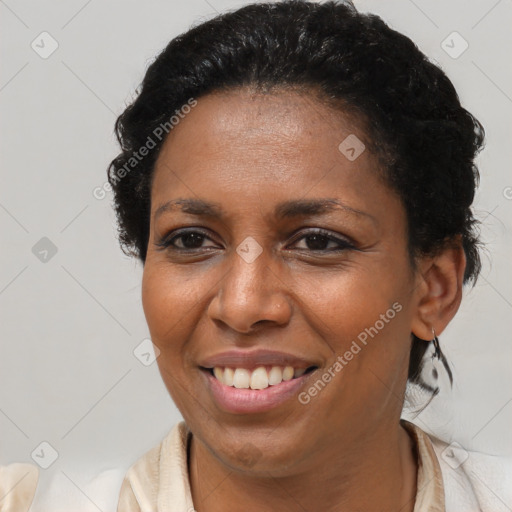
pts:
pixel 253 358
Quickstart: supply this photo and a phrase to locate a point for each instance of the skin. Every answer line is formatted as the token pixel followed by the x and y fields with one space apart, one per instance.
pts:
pixel 345 449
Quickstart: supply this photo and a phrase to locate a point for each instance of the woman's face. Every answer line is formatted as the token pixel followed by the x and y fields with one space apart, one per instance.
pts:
pixel 250 283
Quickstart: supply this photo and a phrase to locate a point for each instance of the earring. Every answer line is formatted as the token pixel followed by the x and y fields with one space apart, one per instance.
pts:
pixel 437 348
pixel 438 354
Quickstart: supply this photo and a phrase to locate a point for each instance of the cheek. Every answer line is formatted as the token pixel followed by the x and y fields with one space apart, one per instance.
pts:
pixel 348 302
pixel 167 302
pixel 365 321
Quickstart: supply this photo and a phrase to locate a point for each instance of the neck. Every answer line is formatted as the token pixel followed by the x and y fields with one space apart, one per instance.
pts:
pixel 372 474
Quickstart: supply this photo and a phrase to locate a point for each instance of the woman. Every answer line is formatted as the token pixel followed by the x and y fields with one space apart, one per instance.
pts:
pixel 297 179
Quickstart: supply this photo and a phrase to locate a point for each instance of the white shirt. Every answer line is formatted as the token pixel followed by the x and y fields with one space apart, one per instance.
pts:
pixel 449 478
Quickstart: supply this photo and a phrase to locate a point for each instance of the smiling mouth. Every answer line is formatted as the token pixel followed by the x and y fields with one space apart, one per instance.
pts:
pixel 260 377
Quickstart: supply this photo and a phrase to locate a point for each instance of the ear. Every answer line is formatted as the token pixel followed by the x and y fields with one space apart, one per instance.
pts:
pixel 439 290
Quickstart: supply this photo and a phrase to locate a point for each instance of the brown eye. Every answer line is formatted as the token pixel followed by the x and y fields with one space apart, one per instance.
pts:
pixel 319 241
pixel 188 240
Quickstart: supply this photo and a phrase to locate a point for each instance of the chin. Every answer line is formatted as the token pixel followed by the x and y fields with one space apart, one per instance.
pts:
pixel 258 451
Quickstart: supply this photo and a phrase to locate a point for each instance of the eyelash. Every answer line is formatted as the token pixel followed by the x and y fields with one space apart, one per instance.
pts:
pixel 167 242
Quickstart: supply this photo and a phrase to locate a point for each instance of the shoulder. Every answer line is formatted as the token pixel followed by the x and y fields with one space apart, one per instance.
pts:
pixel 159 476
pixel 18 483
pixel 139 489
pixel 473 481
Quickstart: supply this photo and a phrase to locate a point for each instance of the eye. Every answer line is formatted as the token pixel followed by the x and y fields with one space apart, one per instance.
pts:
pixel 316 241
pixel 319 240
pixel 184 240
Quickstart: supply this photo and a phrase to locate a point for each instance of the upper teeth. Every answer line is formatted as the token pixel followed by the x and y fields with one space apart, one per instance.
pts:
pixel 259 378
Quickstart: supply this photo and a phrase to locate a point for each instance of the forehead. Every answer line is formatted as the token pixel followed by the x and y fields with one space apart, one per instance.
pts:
pixel 273 133
pixel 250 149
pixel 247 117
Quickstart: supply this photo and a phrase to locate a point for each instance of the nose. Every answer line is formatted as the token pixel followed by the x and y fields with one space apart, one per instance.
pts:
pixel 251 294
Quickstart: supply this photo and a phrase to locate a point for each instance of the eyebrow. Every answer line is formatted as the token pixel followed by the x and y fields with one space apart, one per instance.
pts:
pixel 284 210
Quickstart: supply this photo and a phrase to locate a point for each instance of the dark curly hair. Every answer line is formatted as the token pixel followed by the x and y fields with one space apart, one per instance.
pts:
pixel 411 114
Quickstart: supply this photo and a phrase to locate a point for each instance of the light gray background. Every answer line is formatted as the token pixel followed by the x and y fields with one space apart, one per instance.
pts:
pixel 69 326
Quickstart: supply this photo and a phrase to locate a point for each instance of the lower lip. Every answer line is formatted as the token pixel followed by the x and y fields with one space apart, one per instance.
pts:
pixel 245 401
